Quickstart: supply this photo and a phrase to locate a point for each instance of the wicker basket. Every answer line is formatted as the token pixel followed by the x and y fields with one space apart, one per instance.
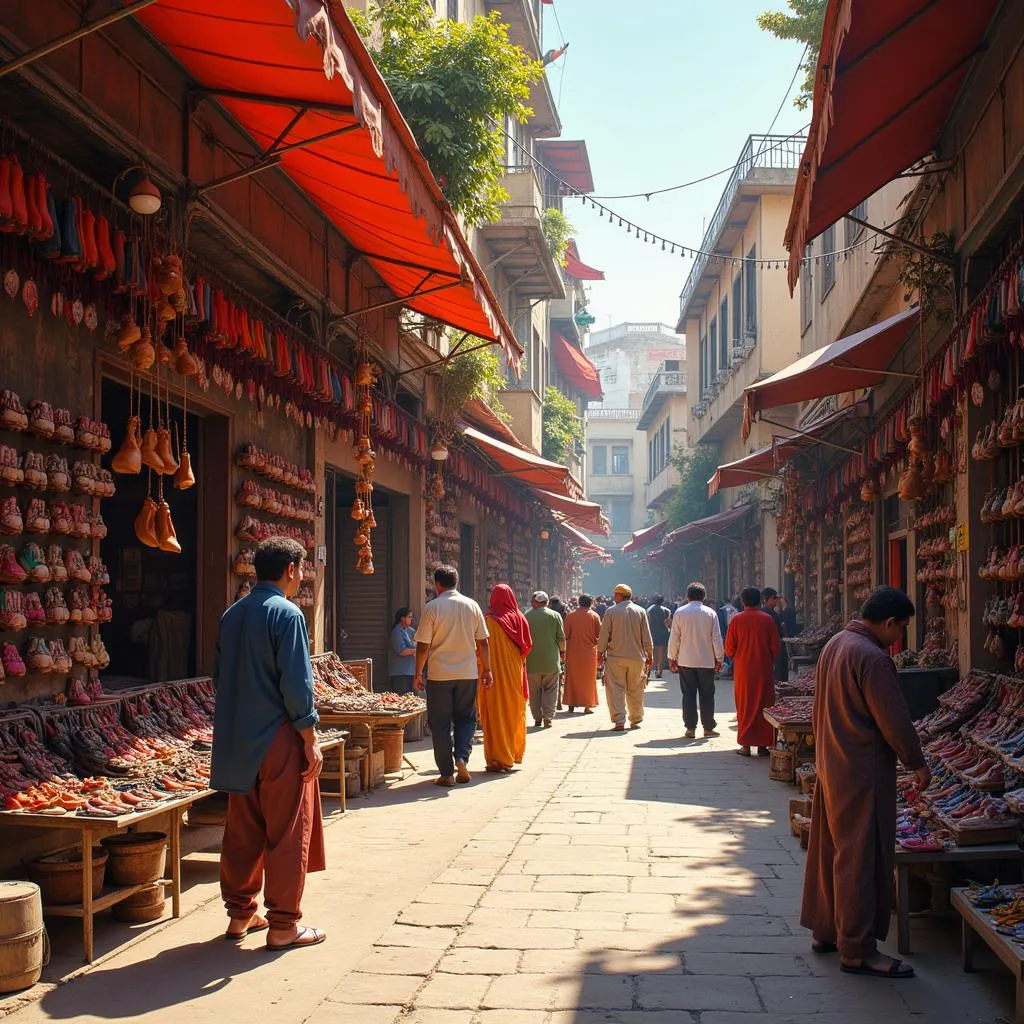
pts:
pixel 135 857
pixel 59 876
pixel 782 766
pixel 146 905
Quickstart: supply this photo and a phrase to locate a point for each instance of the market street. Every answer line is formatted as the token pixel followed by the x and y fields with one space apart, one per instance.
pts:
pixel 616 878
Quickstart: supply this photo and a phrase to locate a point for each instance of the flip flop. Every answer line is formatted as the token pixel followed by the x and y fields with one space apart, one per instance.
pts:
pixel 824 947
pixel 238 936
pixel 742 753
pixel 298 943
pixel 897 970
pixel 446 780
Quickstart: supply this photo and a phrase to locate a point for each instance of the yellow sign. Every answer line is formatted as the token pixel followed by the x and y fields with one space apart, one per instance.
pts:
pixel 960 537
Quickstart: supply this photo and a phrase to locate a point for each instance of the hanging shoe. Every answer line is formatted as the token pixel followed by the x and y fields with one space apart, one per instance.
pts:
pixel 10 658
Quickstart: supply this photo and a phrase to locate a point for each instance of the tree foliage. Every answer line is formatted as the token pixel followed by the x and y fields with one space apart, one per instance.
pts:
pixel 803 24
pixel 690 501
pixel 561 428
pixel 455 84
pixel 558 232
pixel 471 376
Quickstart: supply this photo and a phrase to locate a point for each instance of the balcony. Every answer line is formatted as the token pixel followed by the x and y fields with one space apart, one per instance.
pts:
pixel 768 163
pixel 563 318
pixel 664 384
pixel 610 485
pixel 516 240
pixel 523 18
pixel 525 413
pixel 606 415
pixel 659 490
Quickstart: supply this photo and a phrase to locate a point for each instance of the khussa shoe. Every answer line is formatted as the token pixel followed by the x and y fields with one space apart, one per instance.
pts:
pixel 55 562
pixel 34 613
pixel 97 528
pixel 165 535
pixel 12 611
pixel 57 475
pixel 78 651
pixel 56 610
pixel 63 431
pixel 145 522
pixel 76 695
pixel 52 243
pixel 10 570
pixel 128 460
pixel 12 413
pixel 33 561
pixel 60 518
pixel 150 455
pixel 98 571
pixel 80 596
pixel 36 518
pixel 75 564
pixel 40 419
pixel 103 605
pixel 61 658
pixel 99 653
pixel 35 471
pixel 10 517
pixel 76 608
pixel 11 660
pixel 37 655
pixel 70 245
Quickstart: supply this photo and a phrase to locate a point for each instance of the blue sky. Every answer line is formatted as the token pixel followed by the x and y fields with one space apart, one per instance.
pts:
pixel 662 91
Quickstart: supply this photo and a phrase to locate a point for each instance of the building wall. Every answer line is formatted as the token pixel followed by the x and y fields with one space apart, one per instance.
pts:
pixel 661 475
pixel 609 487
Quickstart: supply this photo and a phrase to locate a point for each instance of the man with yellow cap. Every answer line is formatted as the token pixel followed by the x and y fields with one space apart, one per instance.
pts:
pixel 627 648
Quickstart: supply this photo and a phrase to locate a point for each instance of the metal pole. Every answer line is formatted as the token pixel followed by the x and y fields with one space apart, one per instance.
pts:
pixel 79 33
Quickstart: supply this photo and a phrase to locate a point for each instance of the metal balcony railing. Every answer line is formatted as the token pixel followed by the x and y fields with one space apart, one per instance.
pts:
pixel 613 414
pixel 673 381
pixel 772 152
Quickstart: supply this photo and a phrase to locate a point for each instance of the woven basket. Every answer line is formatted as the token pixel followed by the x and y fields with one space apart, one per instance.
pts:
pixel 782 766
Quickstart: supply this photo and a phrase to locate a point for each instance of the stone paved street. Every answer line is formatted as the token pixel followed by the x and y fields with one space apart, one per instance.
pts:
pixel 617 879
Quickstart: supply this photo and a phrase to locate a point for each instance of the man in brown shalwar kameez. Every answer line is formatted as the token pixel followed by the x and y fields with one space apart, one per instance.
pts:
pixel 861 726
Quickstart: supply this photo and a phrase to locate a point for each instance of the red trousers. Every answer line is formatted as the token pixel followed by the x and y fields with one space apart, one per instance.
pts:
pixel 273 836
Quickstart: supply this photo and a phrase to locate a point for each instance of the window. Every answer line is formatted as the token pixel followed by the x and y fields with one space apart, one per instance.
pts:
pixel 620 515
pixel 668 440
pixel 620 460
pixel 853 230
pixel 702 376
pixel 750 297
pixel 737 314
pixel 807 290
pixel 828 262
pixel 723 334
pixel 609 376
pixel 650 461
pixel 599 460
pixel 713 346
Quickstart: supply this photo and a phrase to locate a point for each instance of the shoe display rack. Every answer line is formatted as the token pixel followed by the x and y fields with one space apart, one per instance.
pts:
pixel 806 593
pixel 857 557
pixel 522 571
pixel 51 576
pixel 833 579
pixel 283 493
pixel 497 553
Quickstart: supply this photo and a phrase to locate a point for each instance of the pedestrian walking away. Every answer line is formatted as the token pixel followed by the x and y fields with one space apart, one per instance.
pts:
pixel 555 604
pixel 695 651
pixel 502 706
pixel 626 647
pixel 771 602
pixel 452 632
pixel 265 754
pixel 544 662
pixel 401 653
pixel 753 643
pixel 659 618
pixel 582 631
pixel 861 727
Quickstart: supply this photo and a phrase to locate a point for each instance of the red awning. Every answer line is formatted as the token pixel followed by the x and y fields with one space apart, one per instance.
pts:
pixel 587 515
pixel 568 160
pixel 645 538
pixel 888 75
pixel 526 467
pixel 576 268
pixel 288 78
pixel 588 549
pixel 766 461
pixel 858 361
pixel 577 369
pixel 702 529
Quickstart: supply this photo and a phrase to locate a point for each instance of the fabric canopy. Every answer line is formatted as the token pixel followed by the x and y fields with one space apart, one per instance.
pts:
pixel 576 268
pixel 858 361
pixel 702 529
pixel 525 466
pixel 645 538
pixel 291 71
pixel 765 461
pixel 568 160
pixel 587 548
pixel 587 515
pixel 577 368
pixel 888 74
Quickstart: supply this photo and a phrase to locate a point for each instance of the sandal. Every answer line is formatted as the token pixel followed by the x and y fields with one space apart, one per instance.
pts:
pixel 897 970
pixel 743 751
pixel 448 781
pixel 824 947
pixel 300 940
pixel 260 926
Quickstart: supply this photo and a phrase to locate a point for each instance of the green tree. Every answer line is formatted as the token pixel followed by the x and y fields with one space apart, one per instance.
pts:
pixel 690 499
pixel 456 84
pixel 471 376
pixel 561 428
pixel 558 232
pixel 803 24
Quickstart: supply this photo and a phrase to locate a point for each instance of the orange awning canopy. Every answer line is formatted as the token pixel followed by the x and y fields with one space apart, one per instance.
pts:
pixel 587 515
pixel 766 461
pixel 526 467
pixel 858 361
pixel 645 538
pixel 575 267
pixel 888 75
pixel 587 548
pixel 577 369
pixel 701 529
pixel 289 78
pixel 569 161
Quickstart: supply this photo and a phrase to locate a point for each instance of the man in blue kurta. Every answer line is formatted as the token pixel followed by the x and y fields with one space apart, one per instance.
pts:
pixel 265 754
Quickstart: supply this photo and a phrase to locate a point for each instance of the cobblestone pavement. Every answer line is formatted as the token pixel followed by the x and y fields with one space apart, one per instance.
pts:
pixel 619 878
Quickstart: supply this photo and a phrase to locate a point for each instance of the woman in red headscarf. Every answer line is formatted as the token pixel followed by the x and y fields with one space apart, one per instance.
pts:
pixel 503 706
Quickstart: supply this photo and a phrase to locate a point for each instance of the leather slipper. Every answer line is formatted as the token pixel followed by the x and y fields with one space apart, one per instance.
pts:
pixel 300 941
pixel 446 780
pixel 897 970
pixel 824 947
pixel 238 936
pixel 742 752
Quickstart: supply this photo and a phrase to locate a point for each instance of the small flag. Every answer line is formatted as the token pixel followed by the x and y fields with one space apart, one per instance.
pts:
pixel 552 55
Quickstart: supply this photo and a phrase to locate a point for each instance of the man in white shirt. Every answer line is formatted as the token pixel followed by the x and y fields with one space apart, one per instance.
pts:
pixel 695 650
pixel 453 633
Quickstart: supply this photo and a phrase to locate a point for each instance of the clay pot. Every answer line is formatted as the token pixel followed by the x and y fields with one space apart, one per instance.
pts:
pixel 150 454
pixel 143 354
pixel 911 486
pixel 128 460
pixel 129 333
pixel 184 362
pixel 165 536
pixel 943 466
pixel 184 478
pixel 164 451
pixel 145 523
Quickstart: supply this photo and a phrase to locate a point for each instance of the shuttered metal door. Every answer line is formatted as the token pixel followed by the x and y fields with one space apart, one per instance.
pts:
pixel 364 610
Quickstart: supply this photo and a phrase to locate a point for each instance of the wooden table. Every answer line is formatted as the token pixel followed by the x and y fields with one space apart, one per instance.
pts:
pixel 976 923
pixel 330 744
pixel 89 829
pixel 368 720
pixel 957 855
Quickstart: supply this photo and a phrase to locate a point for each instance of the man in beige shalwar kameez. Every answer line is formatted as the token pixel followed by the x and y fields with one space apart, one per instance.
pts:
pixel 861 726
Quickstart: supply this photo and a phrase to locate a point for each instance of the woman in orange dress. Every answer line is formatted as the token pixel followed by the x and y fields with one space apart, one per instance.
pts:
pixel 502 707
pixel 582 629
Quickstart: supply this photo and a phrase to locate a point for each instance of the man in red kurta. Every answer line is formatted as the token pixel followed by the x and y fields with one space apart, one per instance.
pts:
pixel 752 641
pixel 861 725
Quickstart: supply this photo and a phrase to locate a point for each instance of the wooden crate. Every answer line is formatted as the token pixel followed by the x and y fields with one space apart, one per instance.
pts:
pixel 362 670
pixel 782 766
pixel 377 767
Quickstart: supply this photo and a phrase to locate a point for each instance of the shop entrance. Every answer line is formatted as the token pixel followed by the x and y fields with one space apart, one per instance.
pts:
pixel 166 606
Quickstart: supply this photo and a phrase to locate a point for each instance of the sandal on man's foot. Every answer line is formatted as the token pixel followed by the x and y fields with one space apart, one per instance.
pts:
pixel 445 780
pixel 462 772
pixel 743 751
pixel 897 969
pixel 824 947
pixel 305 937
pixel 256 924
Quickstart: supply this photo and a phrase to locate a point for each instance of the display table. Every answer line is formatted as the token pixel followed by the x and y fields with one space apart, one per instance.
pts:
pixel 922 687
pixel 975 923
pixel 89 829
pixel 957 855
pixel 794 733
pixel 326 744
pixel 368 720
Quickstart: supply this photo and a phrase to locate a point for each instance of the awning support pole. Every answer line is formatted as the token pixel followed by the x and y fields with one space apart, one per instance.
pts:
pixel 359 254
pixel 418 294
pixel 272 157
pixel 820 440
pixel 444 360
pixel 71 37
pixel 934 254
pixel 272 101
